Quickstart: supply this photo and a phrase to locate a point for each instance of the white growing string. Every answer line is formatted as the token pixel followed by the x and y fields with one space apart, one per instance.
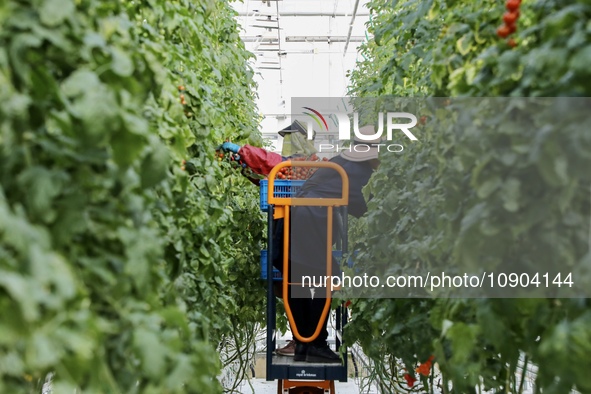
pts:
pixel 329 54
pixel 344 72
pixel 279 52
pixel 247 14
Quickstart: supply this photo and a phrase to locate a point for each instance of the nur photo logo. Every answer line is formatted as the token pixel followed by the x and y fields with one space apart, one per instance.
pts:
pixel 396 124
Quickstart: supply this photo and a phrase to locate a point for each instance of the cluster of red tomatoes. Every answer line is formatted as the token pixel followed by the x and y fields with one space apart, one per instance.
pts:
pixel 299 173
pixel 423 369
pixel 510 21
pixel 182 95
pixel 230 157
pixel 236 162
pixel 183 100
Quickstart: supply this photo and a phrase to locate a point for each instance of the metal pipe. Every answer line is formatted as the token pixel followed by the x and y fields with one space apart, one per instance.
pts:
pixel 328 39
pixel 271 318
pixel 268 40
pixel 302 52
pixel 276 41
pixel 351 25
pixel 304 13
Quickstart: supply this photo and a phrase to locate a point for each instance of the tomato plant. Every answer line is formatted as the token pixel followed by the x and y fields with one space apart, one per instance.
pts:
pixel 115 263
pixel 423 200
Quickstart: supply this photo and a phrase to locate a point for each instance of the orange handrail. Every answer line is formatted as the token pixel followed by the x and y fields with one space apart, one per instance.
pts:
pixel 286 202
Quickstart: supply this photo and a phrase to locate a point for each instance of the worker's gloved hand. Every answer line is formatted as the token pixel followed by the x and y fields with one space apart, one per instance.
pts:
pixel 230 146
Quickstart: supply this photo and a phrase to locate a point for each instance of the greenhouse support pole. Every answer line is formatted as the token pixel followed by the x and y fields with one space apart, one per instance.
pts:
pixel 351 26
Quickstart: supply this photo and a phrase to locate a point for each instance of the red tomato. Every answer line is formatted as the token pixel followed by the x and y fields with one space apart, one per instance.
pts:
pixel 410 380
pixel 513 5
pixel 503 31
pixel 510 17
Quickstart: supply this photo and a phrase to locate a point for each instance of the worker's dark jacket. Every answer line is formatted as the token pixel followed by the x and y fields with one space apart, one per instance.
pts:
pixel 309 224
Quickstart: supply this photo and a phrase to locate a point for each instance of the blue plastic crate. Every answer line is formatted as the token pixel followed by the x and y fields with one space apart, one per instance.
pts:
pixel 282 188
pixel 276 273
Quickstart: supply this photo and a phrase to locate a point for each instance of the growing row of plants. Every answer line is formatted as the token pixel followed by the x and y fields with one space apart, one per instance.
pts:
pixel 120 271
pixel 482 194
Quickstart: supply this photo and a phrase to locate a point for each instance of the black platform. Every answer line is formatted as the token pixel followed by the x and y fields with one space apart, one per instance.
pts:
pixel 283 367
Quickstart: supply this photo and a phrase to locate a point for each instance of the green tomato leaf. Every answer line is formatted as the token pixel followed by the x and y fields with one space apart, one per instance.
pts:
pixel 581 60
pixel 464 45
pixel 122 64
pixel 154 167
pixel 151 350
pixel 488 187
pixel 510 194
pixel 54 12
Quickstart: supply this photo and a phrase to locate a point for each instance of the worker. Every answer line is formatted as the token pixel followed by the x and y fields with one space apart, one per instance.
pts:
pixel 309 228
pixel 309 233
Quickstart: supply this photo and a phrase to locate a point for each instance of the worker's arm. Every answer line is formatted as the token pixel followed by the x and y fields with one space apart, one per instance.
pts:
pixel 259 160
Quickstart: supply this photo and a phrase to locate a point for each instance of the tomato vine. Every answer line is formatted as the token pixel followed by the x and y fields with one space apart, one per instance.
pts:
pixel 115 264
pixel 450 48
